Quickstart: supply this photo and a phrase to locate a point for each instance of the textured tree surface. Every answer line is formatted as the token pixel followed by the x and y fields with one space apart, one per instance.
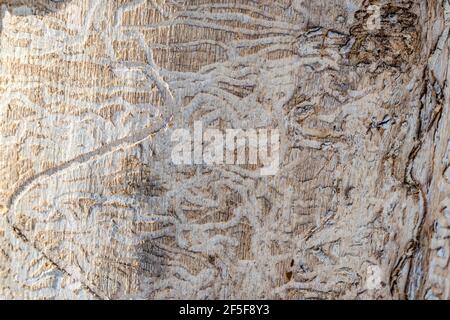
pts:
pixel 92 206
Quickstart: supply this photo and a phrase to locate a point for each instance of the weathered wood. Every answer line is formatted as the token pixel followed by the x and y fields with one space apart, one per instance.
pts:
pixel 92 205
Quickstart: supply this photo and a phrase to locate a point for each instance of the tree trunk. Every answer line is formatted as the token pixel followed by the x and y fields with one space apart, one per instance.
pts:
pixel 93 205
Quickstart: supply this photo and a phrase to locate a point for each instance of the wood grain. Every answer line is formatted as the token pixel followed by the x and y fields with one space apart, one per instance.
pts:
pixel 92 206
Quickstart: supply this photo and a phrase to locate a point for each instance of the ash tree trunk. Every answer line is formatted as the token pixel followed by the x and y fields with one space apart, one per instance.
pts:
pixel 93 207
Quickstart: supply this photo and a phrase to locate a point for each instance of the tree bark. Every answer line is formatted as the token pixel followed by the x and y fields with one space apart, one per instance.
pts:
pixel 93 207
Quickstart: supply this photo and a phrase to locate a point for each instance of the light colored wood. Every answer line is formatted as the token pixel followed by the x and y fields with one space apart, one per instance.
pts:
pixel 93 208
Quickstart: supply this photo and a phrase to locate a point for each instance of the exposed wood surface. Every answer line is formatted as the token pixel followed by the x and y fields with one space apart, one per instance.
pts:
pixel 92 206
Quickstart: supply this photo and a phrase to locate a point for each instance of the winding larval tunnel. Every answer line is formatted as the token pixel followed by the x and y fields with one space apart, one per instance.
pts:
pixel 133 136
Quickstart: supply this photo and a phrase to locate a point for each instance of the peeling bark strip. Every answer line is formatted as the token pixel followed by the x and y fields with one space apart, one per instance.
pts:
pixel 92 206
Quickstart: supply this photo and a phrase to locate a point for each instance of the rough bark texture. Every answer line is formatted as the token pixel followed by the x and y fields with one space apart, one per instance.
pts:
pixel 92 206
